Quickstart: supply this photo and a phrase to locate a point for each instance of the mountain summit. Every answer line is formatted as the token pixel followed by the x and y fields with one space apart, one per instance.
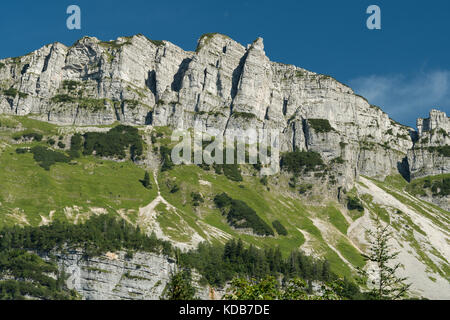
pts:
pixel 344 162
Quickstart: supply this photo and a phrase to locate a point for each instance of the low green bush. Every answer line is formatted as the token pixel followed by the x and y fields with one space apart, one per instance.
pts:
pixel 303 188
pixel 196 199
pixel 166 159
pixel 299 161
pixel 438 185
pixel 46 157
pixel 76 146
pixel 35 136
pixel 11 92
pixel 61 98
pixel 353 203
pixel 241 216
pixel 70 84
pixel 222 200
pixel 441 150
pixel 21 150
pixel 113 143
pixel 320 125
pixel 281 230
pixel 231 171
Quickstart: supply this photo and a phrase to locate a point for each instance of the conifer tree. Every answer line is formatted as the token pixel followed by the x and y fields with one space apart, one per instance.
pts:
pixel 146 182
pixel 179 287
pixel 386 284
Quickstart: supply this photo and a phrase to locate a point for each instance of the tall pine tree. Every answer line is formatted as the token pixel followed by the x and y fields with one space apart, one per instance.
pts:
pixel 180 286
pixel 146 182
pixel 386 285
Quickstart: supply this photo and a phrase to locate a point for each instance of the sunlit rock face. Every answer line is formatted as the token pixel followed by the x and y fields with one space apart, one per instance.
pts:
pixel 224 85
pixel 428 156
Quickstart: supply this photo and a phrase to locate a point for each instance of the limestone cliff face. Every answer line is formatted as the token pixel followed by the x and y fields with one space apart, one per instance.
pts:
pixel 139 81
pixel 114 276
pixel 426 158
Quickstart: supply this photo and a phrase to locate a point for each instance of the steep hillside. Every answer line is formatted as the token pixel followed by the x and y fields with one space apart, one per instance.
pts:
pixel 80 126
pixel 181 206
pixel 225 85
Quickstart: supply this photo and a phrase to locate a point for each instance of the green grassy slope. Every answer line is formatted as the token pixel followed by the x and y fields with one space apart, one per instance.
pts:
pixel 91 185
pixel 273 203
pixel 68 190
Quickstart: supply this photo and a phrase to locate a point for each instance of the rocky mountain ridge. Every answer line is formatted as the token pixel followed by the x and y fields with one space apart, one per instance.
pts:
pixel 227 86
pixel 432 136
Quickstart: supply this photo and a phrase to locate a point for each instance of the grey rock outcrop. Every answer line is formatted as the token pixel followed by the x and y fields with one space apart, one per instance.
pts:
pixel 116 277
pixel 430 154
pixel 227 86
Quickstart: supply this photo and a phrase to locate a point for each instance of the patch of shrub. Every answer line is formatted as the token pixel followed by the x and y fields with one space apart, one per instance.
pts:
pixel 305 188
pixel 23 95
pixel 241 216
pixel 21 150
pixel 320 125
pixel 217 168
pixel 46 157
pixel 204 166
pixel 439 186
pixel 61 145
pixel 29 136
pixel 196 199
pixel 231 171
pixel 114 142
pixel 129 255
pixel 172 186
pixel 281 230
pixel 51 141
pixel 92 104
pixel 222 200
pixel 63 98
pixel 33 135
pixel 338 160
pixel 301 160
pixel 11 92
pixel 166 159
pixel 441 150
pixel 257 165
pixel 264 180
pixel 353 203
pixel 70 84
pixel 244 115
pixel 76 146
pixel 442 132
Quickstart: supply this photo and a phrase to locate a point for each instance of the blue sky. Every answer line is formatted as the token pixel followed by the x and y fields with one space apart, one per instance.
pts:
pixel 404 68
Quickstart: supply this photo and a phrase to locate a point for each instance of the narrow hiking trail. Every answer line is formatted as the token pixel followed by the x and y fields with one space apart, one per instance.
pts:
pixel 148 218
